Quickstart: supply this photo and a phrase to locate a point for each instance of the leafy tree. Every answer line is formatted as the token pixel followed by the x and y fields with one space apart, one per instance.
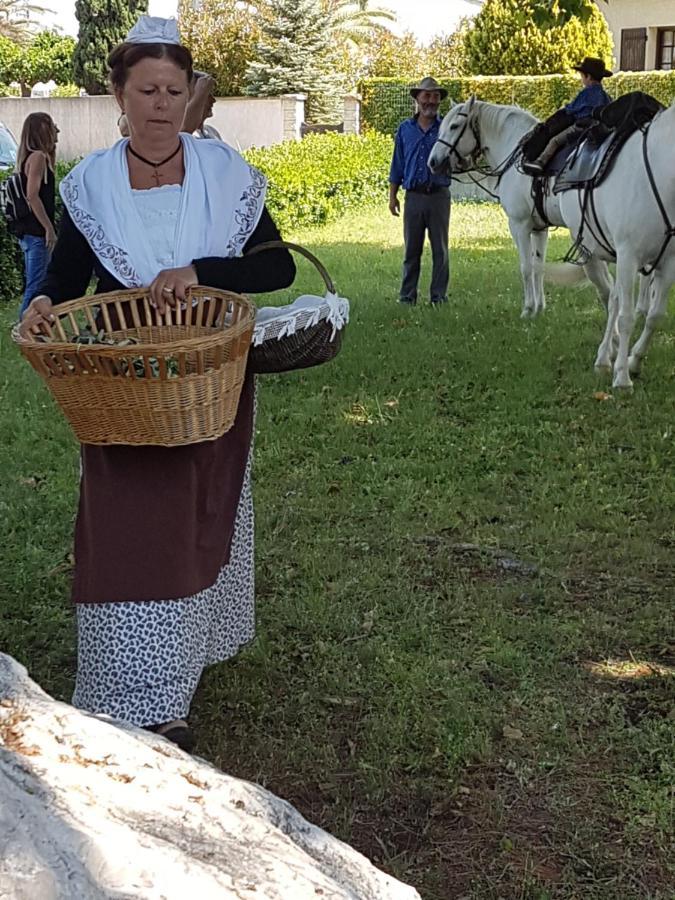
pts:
pixel 50 56
pixel 103 25
pixel 446 54
pixel 11 60
pixel 294 55
pixel 47 56
pixel 393 56
pixel 506 38
pixel 222 35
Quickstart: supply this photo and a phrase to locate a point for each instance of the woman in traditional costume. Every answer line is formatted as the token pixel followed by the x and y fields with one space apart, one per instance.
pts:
pixel 163 576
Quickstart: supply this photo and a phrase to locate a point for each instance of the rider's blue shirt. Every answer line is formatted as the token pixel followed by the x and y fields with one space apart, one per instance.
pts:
pixel 588 99
pixel 412 147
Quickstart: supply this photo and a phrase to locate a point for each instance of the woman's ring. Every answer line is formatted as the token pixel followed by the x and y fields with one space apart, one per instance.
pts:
pixel 167 290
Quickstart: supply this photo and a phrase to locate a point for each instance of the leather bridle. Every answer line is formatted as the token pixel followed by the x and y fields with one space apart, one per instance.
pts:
pixel 452 146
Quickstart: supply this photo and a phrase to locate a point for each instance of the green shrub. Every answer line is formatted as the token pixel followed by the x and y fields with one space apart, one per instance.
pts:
pixel 66 90
pixel 11 258
pixel 315 180
pixel 11 261
pixel 386 101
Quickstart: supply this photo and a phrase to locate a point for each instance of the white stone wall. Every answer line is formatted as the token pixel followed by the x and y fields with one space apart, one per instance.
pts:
pixel 649 14
pixel 89 123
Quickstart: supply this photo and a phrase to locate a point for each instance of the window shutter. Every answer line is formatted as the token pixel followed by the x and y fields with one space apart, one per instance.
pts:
pixel 633 46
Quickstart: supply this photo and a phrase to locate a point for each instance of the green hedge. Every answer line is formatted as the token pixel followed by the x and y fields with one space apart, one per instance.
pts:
pixel 310 182
pixel 386 101
pixel 315 180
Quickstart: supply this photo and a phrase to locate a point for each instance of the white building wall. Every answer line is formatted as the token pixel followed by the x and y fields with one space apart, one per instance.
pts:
pixel 649 14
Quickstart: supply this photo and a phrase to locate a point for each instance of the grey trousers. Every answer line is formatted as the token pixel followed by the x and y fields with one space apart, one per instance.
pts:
pixel 426 213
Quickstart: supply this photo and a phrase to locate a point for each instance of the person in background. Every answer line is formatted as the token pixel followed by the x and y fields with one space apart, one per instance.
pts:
pixel 564 125
pixel 427 199
pixel 200 108
pixel 35 161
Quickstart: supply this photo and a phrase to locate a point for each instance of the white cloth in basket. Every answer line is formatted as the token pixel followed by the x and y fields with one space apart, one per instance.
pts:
pixel 277 322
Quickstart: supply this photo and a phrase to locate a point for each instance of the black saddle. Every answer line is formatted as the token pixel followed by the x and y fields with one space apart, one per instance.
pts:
pixel 592 160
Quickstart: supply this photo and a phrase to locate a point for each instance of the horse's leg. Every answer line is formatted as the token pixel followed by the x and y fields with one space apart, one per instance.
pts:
pixel 597 271
pixel 605 355
pixel 660 286
pixel 644 295
pixel 520 232
pixel 626 273
pixel 538 242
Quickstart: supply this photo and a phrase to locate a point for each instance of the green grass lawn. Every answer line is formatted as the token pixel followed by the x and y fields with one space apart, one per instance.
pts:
pixel 479 727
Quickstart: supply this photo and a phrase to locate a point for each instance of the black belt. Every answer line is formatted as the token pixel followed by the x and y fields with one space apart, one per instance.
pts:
pixel 427 188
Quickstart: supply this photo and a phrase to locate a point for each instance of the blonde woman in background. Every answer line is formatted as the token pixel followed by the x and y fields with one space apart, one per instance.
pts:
pixel 37 235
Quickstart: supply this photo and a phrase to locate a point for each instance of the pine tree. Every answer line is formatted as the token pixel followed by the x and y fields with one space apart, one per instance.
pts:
pixel 103 25
pixel 294 57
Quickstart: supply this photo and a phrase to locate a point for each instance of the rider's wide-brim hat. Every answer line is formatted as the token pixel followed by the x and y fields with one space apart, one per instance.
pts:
pixel 594 67
pixel 428 84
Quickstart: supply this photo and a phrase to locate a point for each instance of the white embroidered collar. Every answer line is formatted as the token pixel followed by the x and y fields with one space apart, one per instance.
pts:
pixel 222 201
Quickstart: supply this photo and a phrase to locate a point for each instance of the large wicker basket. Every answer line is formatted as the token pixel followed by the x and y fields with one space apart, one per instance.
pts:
pixel 310 344
pixel 176 378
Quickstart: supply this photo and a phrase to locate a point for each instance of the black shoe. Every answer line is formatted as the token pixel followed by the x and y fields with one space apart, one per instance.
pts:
pixel 406 301
pixel 438 301
pixel 533 168
pixel 180 735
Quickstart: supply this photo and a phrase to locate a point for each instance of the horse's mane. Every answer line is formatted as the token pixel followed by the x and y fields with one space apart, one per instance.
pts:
pixel 495 115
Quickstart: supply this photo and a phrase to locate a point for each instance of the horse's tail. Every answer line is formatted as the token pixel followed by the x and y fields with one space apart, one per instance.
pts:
pixel 564 273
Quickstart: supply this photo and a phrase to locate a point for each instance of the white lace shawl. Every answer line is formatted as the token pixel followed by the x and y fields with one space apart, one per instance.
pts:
pixel 222 201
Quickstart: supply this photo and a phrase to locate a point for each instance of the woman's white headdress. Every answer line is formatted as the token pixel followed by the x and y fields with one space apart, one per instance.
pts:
pixel 154 30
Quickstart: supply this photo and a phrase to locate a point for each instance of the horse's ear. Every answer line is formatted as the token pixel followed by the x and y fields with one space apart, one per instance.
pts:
pixel 472 103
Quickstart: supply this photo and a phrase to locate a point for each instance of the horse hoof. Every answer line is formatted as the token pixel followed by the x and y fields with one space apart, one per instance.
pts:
pixel 623 384
pixel 527 314
pixel 602 367
pixel 634 365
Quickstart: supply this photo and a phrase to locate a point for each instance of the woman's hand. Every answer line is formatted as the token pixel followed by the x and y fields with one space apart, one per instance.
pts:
pixel 171 285
pixel 38 314
pixel 50 238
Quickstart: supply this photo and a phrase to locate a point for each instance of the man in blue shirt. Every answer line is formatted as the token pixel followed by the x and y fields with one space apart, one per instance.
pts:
pixel 427 199
pixel 564 125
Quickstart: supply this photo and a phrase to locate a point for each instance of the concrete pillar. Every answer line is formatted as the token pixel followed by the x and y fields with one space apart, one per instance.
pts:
pixel 351 115
pixel 292 115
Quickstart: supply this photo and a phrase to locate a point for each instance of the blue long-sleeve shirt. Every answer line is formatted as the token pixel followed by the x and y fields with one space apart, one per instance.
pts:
pixel 588 99
pixel 412 147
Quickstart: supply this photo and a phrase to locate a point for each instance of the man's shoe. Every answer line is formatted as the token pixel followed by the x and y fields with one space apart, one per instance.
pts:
pixel 533 167
pixel 406 301
pixel 437 301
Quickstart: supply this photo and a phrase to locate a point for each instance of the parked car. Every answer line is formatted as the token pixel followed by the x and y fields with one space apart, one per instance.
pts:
pixel 8 148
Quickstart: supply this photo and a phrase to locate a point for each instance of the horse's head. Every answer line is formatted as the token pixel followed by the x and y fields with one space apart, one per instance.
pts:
pixel 458 143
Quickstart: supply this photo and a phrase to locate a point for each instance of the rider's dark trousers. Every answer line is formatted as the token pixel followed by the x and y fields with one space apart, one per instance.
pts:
pixel 426 213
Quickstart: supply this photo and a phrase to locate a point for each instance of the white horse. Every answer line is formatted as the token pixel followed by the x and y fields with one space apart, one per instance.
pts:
pixel 473 129
pixel 632 221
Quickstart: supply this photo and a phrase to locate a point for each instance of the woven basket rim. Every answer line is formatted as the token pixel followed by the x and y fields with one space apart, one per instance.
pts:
pixel 184 344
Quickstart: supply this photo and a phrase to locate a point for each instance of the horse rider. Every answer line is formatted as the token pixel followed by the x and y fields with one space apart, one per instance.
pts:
pixel 427 198
pixel 566 124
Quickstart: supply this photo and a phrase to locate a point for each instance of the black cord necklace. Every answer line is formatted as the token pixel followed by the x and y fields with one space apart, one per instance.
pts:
pixel 155 165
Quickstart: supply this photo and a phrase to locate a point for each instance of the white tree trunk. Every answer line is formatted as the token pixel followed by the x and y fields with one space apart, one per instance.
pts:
pixel 94 809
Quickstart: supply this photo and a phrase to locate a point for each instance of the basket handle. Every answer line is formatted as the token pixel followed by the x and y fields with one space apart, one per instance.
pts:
pixel 267 245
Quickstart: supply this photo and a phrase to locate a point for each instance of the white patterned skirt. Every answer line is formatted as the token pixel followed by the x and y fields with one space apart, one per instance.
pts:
pixel 141 662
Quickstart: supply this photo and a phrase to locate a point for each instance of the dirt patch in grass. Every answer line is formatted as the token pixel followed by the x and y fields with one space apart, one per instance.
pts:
pixel 498 835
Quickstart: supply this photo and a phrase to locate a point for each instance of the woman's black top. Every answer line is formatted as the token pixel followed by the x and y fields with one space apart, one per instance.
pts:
pixel 29 224
pixel 73 263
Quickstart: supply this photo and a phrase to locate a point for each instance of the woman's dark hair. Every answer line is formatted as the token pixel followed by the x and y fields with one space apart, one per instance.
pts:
pixel 38 134
pixel 125 57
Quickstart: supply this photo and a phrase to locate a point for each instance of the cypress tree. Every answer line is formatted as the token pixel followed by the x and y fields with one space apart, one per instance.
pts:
pixel 103 25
